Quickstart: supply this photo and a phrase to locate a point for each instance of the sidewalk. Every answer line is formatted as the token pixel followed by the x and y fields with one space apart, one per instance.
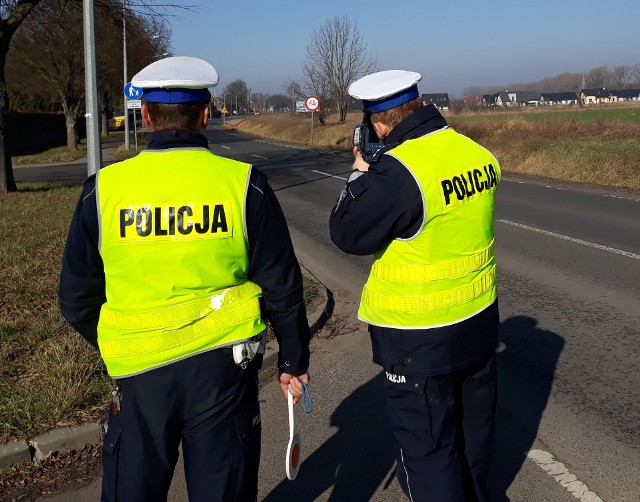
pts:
pixel 73 438
pixel 109 148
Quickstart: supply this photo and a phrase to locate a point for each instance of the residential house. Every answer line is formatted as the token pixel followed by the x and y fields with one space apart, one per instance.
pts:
pixel 473 100
pixel 506 99
pixel 439 99
pixel 527 98
pixel 489 99
pixel 625 95
pixel 595 96
pixel 558 98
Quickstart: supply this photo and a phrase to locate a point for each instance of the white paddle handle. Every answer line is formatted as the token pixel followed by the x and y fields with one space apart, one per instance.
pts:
pixel 292 422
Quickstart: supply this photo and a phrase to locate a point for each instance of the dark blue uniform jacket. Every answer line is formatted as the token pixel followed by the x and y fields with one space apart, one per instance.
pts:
pixel 272 263
pixel 385 204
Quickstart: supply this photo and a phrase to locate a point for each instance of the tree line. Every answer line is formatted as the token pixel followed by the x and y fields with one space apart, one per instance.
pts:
pixel 619 77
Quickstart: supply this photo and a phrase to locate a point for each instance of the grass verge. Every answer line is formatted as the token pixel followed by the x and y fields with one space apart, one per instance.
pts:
pixel 48 375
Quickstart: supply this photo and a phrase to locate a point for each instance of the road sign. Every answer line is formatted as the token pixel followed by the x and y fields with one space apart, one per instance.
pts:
pixel 312 103
pixel 132 92
pixel 134 104
pixel 224 110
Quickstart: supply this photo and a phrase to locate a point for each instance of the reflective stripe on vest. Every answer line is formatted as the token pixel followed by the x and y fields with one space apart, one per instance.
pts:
pixel 433 272
pixel 173 244
pixel 181 324
pixel 446 272
pixel 432 301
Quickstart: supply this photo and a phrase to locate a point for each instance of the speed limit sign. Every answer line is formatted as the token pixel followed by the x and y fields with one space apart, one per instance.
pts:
pixel 312 103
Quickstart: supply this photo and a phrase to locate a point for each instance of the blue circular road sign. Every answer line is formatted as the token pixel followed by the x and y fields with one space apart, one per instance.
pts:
pixel 132 92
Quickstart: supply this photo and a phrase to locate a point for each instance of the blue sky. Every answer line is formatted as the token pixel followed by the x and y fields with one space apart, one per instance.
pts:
pixel 453 45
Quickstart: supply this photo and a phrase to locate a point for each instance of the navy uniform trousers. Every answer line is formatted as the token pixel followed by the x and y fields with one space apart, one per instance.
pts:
pixel 207 403
pixel 443 432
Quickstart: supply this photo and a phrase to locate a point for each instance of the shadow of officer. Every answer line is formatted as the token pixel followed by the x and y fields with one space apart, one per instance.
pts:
pixel 355 460
pixel 526 362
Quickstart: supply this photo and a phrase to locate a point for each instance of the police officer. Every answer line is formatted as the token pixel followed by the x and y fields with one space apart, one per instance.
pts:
pixel 423 205
pixel 169 258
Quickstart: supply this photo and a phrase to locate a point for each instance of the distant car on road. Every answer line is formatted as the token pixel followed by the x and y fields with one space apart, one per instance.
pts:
pixel 116 123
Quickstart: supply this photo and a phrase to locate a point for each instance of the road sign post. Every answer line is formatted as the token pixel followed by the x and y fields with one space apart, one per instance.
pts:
pixel 132 95
pixel 312 103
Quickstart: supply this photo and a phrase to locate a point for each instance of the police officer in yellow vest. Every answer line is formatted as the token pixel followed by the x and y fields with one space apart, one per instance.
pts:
pixel 423 206
pixel 172 262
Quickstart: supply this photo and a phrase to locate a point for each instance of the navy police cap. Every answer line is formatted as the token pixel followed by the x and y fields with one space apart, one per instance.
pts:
pixel 386 89
pixel 178 79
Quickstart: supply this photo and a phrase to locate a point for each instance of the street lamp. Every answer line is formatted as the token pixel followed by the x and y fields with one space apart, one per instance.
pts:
pixel 124 59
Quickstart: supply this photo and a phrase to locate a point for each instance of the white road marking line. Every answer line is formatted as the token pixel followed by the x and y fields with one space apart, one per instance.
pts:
pixel 573 239
pixel 559 472
pixel 259 157
pixel 226 147
pixel 327 174
pixel 521 182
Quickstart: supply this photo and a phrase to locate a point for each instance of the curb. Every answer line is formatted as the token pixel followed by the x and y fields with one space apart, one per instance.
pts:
pixel 73 438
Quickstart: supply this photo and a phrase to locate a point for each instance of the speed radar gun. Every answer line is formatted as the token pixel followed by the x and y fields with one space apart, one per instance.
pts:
pixel 365 139
pixel 294 448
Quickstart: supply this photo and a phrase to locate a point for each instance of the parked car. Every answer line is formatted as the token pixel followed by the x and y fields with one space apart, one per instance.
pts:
pixel 116 123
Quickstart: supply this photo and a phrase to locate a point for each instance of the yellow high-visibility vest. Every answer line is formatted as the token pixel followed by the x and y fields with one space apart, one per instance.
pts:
pixel 446 273
pixel 174 245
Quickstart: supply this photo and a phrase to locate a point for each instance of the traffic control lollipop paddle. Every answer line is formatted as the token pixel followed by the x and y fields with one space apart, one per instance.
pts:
pixel 293 448
pixel 294 453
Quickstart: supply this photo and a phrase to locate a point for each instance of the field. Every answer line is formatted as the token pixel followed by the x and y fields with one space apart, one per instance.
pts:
pixel 588 145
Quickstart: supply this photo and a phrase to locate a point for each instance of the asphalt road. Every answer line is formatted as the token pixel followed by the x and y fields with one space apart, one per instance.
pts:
pixel 569 367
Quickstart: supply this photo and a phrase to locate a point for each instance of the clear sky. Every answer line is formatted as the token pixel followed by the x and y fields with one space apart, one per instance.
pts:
pixel 453 44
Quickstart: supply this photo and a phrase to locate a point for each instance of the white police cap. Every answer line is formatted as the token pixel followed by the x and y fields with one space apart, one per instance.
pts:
pixel 178 79
pixel 386 89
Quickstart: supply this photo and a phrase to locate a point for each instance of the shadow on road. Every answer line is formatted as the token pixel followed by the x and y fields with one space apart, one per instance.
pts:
pixel 526 369
pixel 355 460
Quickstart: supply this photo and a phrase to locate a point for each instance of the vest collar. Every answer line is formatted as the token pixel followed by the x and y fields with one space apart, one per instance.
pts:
pixel 161 140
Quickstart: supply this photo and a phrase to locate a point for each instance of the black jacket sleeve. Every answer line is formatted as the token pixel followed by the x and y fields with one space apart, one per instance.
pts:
pixel 377 207
pixel 274 267
pixel 82 281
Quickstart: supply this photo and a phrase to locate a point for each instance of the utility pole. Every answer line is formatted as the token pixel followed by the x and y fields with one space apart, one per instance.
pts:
pixel 124 59
pixel 92 114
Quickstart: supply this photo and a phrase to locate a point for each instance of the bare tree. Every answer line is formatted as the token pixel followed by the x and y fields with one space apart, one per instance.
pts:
pixel 50 43
pixel 12 14
pixel 598 77
pixel 620 77
pixel 319 85
pixel 634 75
pixel 336 56
pixel 294 91
pixel 239 95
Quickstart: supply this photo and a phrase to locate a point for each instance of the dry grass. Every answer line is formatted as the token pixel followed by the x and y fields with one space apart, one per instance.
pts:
pixel 48 375
pixel 296 129
pixel 600 146
pixel 604 153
